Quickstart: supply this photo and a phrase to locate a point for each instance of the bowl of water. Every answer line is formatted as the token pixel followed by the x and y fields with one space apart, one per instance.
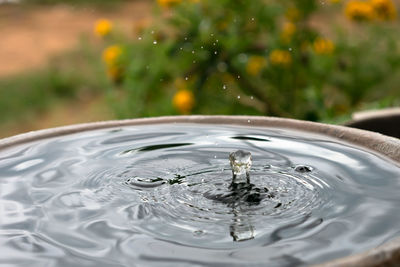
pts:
pixel 200 191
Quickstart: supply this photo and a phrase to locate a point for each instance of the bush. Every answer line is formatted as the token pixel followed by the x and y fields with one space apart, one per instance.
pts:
pixel 266 57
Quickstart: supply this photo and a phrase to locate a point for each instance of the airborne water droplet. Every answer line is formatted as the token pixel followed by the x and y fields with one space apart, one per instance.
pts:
pixel 154 42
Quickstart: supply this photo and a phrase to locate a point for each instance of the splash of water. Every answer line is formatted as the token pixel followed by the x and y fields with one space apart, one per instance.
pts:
pixel 240 163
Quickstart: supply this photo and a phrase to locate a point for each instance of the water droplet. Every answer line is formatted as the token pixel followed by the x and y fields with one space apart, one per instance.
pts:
pixel 152 32
pixel 140 182
pixel 212 34
pixel 192 51
pixel 238 97
pixel 181 48
pixel 215 157
pixel 303 168
pixel 154 42
pixel 201 47
pixel 194 61
pixel 248 121
pixel 215 52
pixel 139 38
pixel 252 19
pixel 224 87
pixel 238 76
pixel 290 49
pixel 251 97
pixel 185 38
pixel 241 162
pixel 186 78
pixel 214 43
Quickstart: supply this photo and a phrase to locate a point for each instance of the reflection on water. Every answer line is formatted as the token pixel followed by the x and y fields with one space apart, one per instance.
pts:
pixel 163 195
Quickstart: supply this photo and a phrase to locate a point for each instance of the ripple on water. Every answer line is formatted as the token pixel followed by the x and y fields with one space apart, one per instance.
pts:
pixel 162 194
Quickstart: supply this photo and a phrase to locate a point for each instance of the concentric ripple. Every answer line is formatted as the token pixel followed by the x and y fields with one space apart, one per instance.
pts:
pixel 160 195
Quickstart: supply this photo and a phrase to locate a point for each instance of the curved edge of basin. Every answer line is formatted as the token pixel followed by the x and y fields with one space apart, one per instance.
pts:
pixel 388 254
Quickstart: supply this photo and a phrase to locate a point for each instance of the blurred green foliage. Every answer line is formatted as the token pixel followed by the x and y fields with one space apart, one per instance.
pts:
pixel 67 76
pixel 265 57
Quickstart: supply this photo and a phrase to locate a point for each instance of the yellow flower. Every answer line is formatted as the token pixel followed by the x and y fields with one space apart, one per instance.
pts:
pixel 280 57
pixel 288 30
pixel 111 54
pixel 102 27
pixel 168 3
pixel 384 9
pixel 323 46
pixel 359 10
pixel 183 101
pixel 255 64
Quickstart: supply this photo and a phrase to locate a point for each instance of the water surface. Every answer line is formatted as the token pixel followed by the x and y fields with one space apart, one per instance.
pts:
pixel 151 196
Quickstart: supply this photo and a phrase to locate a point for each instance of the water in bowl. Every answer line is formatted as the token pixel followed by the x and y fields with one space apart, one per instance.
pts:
pixel 163 195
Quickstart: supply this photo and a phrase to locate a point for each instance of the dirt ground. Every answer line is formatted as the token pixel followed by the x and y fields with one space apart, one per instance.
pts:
pixel 31 36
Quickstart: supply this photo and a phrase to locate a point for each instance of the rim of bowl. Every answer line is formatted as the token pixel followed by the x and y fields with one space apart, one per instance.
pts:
pixel 384 146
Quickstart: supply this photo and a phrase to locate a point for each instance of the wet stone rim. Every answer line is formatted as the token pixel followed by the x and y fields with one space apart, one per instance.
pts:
pixel 387 147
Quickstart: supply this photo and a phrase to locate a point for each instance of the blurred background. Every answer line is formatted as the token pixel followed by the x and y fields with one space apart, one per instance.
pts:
pixel 65 62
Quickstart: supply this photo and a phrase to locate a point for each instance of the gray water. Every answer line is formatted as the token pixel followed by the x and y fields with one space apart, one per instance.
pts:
pixel 161 195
